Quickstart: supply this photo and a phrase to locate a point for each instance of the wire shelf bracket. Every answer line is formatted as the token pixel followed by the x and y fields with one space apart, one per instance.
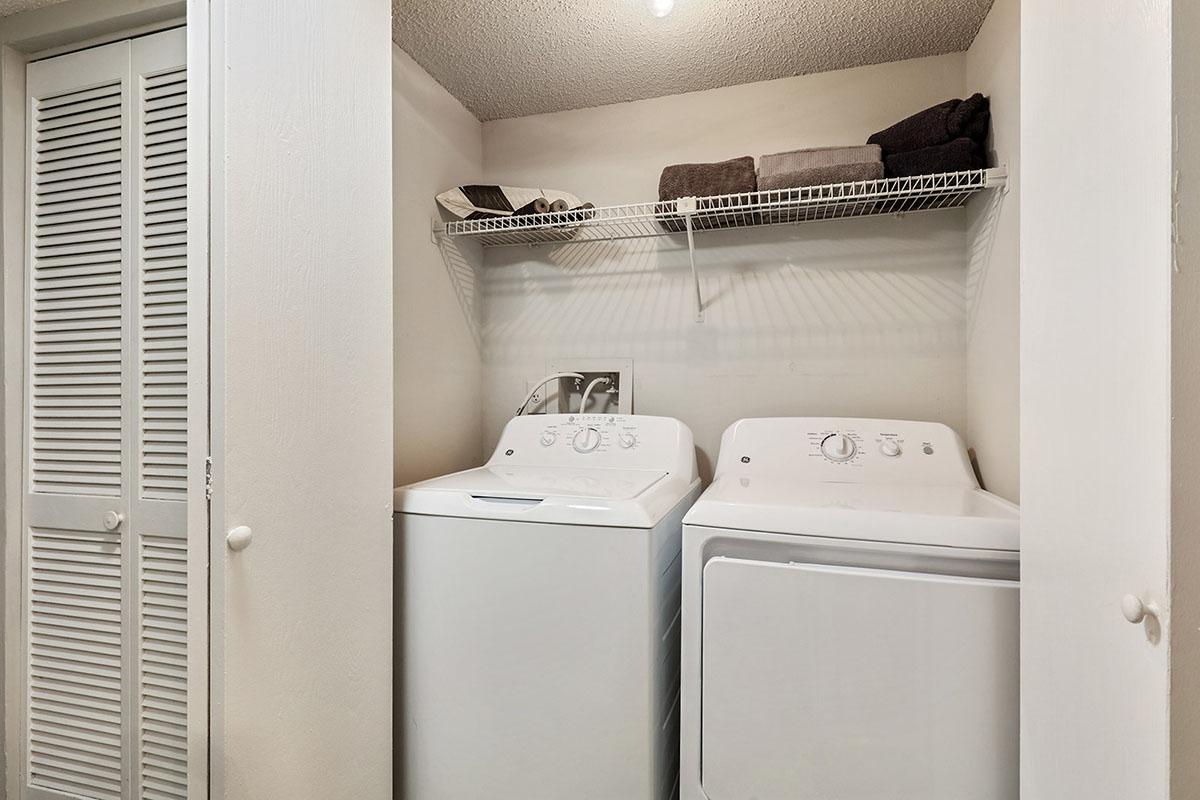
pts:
pixel 689 215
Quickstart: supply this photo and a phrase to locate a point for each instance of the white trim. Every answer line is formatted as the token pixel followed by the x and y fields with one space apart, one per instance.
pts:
pixel 216 18
pixel 77 23
pixel 199 525
pixel 12 240
pixel 109 38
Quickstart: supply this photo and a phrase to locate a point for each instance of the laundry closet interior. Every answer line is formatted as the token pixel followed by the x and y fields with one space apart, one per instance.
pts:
pixel 622 400
pixel 909 316
pixel 844 301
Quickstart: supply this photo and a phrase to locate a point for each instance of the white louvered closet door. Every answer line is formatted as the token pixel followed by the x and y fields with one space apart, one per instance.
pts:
pixel 106 424
pixel 159 380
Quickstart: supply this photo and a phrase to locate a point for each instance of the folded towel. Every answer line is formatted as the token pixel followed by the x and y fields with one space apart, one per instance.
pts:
pixel 820 176
pixel 954 156
pixel 971 118
pixel 809 158
pixel 735 176
pixel 937 125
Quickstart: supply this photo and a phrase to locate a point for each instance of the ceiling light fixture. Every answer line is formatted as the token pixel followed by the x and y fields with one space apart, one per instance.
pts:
pixel 660 8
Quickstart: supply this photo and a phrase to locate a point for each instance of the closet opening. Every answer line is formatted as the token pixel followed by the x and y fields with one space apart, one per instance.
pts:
pixel 806 267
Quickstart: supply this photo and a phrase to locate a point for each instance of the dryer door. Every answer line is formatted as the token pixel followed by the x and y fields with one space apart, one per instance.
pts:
pixel 827 682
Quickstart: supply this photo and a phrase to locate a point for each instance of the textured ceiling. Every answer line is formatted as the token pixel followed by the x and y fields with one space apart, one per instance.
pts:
pixel 511 58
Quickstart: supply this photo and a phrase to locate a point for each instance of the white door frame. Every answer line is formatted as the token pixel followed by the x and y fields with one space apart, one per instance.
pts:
pixel 24 37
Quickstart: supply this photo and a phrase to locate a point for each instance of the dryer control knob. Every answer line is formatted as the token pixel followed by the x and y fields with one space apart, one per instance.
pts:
pixel 548 438
pixel 627 440
pixel 586 440
pixel 838 447
pixel 890 448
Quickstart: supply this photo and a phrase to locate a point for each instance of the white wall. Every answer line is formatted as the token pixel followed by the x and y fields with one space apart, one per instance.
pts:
pixel 302 398
pixel 848 318
pixel 614 154
pixel 1096 274
pixel 437 144
pixel 993 66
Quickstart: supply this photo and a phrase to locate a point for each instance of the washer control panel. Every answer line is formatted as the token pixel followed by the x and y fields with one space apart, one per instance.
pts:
pixel 855 450
pixel 601 440
pixel 590 433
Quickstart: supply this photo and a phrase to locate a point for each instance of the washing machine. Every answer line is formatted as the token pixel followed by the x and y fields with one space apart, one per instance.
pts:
pixel 850 619
pixel 537 618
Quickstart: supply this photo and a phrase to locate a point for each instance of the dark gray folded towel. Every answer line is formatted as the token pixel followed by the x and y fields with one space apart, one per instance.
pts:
pixel 936 125
pixel 971 118
pixel 735 176
pixel 960 154
pixel 819 176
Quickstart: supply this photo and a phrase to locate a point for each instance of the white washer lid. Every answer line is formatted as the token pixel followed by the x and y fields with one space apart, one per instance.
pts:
pixel 947 516
pixel 606 470
pixel 635 498
pixel 541 483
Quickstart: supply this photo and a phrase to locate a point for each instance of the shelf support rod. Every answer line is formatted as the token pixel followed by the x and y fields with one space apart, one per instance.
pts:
pixel 687 206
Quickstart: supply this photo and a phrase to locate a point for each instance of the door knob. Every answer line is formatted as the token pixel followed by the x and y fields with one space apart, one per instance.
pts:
pixel 1136 610
pixel 113 520
pixel 239 538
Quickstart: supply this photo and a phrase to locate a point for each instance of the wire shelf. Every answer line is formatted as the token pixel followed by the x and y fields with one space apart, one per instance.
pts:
pixel 754 209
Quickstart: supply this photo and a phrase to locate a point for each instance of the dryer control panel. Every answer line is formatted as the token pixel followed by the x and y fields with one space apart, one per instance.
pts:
pixel 626 441
pixel 847 450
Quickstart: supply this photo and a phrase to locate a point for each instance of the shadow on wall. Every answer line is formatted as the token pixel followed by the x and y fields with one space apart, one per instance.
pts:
pixel 834 288
pixel 984 216
pixel 462 259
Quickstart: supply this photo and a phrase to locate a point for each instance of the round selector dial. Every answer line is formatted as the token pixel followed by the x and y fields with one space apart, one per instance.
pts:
pixel 586 440
pixel 838 447
pixel 627 440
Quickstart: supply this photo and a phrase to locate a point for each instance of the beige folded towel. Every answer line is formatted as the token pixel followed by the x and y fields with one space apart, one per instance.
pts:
pixel 816 166
pixel 821 176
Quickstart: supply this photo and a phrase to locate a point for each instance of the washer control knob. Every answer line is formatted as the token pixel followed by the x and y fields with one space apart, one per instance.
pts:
pixel 627 440
pixel 838 447
pixel 890 448
pixel 586 440
pixel 548 438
